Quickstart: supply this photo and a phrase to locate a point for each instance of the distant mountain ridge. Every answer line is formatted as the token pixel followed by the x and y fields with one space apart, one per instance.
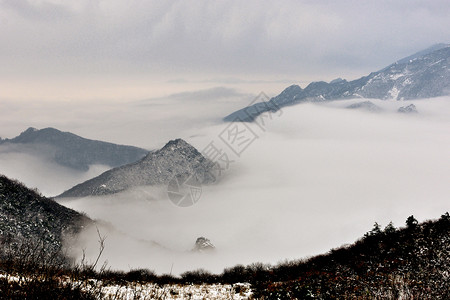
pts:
pixel 176 158
pixel 425 74
pixel 73 151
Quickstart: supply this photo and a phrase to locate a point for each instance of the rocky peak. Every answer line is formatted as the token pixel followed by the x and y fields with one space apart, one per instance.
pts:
pixel 176 159
pixel 408 109
pixel 177 144
pixel 177 150
pixel 203 244
pixel 291 90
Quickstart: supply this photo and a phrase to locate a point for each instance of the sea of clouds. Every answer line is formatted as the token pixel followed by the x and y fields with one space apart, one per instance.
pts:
pixel 317 176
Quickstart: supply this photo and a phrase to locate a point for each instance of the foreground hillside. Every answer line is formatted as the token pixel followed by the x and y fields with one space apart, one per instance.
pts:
pixel 408 263
pixel 411 263
pixel 28 219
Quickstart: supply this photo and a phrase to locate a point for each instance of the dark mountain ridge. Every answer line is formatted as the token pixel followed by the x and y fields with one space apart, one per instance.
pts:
pixel 176 158
pixel 27 217
pixel 73 151
pixel 425 74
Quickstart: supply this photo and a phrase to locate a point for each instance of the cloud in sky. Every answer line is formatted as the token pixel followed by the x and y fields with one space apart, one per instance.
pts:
pixel 90 41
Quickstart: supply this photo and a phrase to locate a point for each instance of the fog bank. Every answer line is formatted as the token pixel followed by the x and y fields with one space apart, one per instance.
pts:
pixel 318 177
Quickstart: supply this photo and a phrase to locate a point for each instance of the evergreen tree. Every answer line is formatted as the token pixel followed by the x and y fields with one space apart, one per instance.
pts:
pixel 411 222
pixel 390 228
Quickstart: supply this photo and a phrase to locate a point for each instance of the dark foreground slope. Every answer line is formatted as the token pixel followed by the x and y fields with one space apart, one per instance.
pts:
pixel 27 218
pixel 176 158
pixel 407 263
pixel 73 151
pixel 423 75
pixel 411 263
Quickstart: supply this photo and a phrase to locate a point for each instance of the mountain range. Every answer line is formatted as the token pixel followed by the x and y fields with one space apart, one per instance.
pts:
pixel 176 158
pixel 422 75
pixel 73 151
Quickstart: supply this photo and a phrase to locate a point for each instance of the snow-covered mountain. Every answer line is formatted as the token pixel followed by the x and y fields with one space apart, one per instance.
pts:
pixel 71 150
pixel 31 220
pixel 176 158
pixel 422 75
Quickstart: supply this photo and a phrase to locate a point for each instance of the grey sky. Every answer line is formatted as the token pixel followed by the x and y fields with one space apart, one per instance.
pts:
pixel 57 47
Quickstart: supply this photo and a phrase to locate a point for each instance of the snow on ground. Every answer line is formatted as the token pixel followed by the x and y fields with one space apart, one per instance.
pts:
pixel 238 291
pixel 394 92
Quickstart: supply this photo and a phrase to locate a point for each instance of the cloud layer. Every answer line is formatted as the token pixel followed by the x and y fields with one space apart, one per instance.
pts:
pixel 317 178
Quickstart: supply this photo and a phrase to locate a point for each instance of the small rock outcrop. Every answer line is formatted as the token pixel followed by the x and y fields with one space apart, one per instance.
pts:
pixel 203 244
pixel 410 109
pixel 366 105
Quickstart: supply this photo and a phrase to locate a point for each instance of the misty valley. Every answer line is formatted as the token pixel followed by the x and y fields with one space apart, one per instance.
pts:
pixel 252 197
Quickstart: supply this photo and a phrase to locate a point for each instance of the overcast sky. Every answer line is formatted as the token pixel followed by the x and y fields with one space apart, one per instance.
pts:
pixel 89 49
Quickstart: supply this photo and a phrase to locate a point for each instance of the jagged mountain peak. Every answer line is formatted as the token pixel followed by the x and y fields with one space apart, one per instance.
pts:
pixel 177 144
pixel 176 158
pixel 292 89
pixel 425 74
pixel 176 149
